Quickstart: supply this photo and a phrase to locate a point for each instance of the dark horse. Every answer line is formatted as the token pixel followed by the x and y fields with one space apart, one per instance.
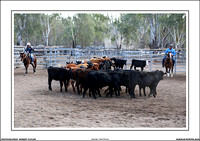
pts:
pixel 26 59
pixel 169 64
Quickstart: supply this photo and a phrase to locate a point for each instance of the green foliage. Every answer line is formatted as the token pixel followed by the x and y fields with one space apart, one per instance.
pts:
pixel 101 27
pixel 137 30
pixel 86 31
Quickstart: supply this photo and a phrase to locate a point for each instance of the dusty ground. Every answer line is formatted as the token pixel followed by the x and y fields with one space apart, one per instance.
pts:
pixel 36 106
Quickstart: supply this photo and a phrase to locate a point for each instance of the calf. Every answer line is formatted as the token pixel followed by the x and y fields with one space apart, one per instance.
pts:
pixel 105 65
pixel 119 62
pixel 138 63
pixel 151 80
pixel 70 65
pixel 130 79
pixel 59 74
pixel 73 81
pixel 117 77
pixel 99 79
pixel 96 60
pixel 133 79
pixel 81 78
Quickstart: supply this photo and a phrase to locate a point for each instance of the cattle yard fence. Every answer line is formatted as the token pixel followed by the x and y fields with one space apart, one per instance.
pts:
pixel 58 56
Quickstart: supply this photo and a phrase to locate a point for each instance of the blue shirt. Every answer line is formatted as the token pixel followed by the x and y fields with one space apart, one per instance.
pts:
pixel 171 50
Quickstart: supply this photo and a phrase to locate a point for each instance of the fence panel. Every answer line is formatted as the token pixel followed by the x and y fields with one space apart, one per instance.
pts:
pixel 58 56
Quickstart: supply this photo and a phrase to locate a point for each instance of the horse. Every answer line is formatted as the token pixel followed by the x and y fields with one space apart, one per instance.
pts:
pixel 168 63
pixel 26 59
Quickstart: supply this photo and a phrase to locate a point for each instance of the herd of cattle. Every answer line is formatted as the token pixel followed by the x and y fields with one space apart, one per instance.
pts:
pixel 97 73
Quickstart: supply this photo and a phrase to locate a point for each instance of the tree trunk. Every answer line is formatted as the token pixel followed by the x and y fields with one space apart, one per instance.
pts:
pixel 19 39
pixel 152 33
pixel 46 28
pixel 155 33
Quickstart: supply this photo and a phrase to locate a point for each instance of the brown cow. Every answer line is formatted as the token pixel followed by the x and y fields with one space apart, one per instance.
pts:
pixel 74 69
pixel 70 66
pixel 96 60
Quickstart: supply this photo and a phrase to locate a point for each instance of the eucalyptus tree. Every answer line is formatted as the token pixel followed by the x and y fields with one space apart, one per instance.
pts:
pixel 101 28
pixel 175 24
pixel 56 35
pixel 116 35
pixel 27 28
pixel 86 32
pixel 20 23
pixel 133 28
pixel 154 30
pixel 46 23
pixel 33 30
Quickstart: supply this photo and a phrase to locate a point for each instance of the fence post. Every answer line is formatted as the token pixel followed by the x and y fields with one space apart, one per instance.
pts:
pixel 55 56
pixel 50 57
pixel 75 55
pixel 175 62
pixel 45 58
pixel 151 58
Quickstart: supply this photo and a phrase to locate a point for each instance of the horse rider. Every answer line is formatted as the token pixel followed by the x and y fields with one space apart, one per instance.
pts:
pixel 28 50
pixel 170 49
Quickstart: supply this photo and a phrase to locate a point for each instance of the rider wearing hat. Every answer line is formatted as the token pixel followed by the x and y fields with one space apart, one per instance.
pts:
pixel 28 50
pixel 170 49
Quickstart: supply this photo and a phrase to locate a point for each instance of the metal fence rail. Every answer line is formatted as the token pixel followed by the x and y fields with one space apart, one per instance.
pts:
pixel 58 56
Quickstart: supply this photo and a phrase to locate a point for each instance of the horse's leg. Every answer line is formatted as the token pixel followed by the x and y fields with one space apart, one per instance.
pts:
pixel 35 64
pixel 167 72
pixel 172 71
pixel 27 65
pixel 33 67
pixel 26 70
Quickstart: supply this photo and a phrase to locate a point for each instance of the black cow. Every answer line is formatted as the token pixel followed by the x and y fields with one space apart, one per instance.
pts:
pixel 118 77
pixel 89 64
pixel 151 80
pixel 100 79
pixel 134 78
pixel 130 79
pixel 119 63
pixel 138 63
pixel 59 74
pixel 69 62
pixel 105 65
pixel 78 62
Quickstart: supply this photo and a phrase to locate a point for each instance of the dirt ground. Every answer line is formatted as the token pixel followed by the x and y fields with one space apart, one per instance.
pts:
pixel 37 107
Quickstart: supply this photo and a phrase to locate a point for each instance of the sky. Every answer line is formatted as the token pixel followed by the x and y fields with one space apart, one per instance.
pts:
pixel 71 13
